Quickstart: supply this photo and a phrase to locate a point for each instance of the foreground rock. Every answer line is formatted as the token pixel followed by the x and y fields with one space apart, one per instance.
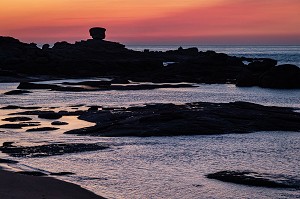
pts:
pixel 197 118
pixel 256 179
pixel 50 150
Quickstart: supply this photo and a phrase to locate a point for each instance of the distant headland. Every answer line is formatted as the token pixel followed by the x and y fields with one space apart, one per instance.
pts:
pixel 98 57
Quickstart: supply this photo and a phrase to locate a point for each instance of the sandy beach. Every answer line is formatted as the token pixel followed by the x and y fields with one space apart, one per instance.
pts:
pixel 17 186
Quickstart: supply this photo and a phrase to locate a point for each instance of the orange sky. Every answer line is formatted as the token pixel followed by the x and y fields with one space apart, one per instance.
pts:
pixel 155 21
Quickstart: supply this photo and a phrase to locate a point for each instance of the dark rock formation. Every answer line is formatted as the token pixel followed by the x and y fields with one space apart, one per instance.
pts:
pixel 98 86
pixel 16 92
pixel 97 33
pixel 12 107
pixel 17 119
pixel 45 46
pixel 38 173
pixel 7 144
pixel 28 85
pixel 256 179
pixel 6 161
pixel 51 115
pixel 50 150
pixel 198 118
pixel 247 78
pixel 18 126
pixel 90 83
pixel 32 173
pixel 282 76
pixel 42 129
pixel 59 123
pixel 97 57
pixel 265 74
pixel 61 45
pixel 94 108
pixel 261 65
pixel 64 173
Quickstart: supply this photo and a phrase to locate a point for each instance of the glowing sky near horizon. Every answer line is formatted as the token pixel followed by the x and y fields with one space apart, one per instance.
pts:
pixel 155 21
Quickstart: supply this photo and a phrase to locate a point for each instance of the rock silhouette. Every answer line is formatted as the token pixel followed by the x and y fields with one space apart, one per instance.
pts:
pixel 256 179
pixel 198 118
pixel 50 149
pixel 97 58
pixel 97 33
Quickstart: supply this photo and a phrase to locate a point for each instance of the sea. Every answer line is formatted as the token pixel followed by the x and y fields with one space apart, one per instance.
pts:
pixel 283 54
pixel 165 167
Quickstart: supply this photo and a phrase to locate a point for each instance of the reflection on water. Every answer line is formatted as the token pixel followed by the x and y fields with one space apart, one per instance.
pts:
pixel 174 167
pixel 205 93
pixel 161 167
pixel 21 137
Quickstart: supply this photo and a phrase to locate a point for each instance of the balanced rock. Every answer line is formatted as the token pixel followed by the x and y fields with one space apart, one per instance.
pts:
pixel 97 33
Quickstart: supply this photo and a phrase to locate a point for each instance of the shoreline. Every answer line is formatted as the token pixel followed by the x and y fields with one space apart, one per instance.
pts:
pixel 18 186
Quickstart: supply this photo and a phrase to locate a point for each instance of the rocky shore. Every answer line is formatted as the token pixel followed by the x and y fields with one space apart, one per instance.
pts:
pixel 49 149
pixel 96 57
pixel 199 118
pixel 256 179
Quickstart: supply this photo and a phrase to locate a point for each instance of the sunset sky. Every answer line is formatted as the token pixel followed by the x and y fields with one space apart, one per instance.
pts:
pixel 155 21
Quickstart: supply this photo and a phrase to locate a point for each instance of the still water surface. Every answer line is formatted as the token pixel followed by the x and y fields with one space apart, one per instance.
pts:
pixel 164 167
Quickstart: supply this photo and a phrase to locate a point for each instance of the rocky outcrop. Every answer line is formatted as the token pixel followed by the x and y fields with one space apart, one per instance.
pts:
pixel 16 92
pixel 42 129
pixel 11 107
pixel 17 119
pixel 97 86
pixel 18 125
pixel 256 179
pixel 50 149
pixel 50 115
pixel 98 57
pixel 59 123
pixel 198 118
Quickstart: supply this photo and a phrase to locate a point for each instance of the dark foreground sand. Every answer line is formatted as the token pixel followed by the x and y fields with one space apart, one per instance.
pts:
pixel 17 186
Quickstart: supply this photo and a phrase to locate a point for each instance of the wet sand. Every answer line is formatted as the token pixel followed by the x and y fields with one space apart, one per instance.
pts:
pixel 17 186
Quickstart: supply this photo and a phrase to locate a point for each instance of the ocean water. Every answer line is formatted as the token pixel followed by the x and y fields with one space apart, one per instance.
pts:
pixel 165 167
pixel 284 54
